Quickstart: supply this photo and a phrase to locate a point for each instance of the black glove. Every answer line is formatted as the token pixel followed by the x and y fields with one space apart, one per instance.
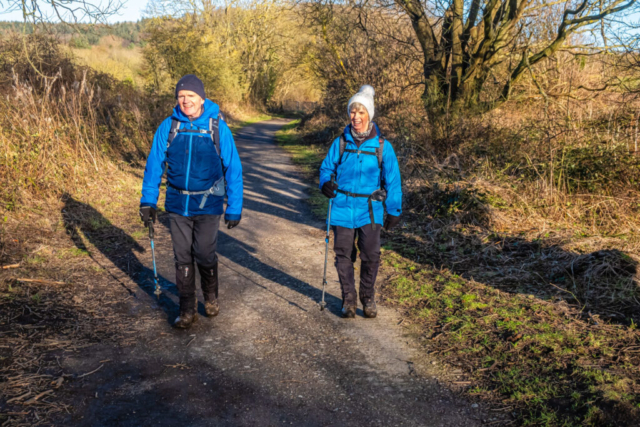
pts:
pixel 329 188
pixel 391 222
pixel 231 223
pixel 146 213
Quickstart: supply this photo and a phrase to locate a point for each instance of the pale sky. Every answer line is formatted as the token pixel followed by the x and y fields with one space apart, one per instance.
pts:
pixel 131 11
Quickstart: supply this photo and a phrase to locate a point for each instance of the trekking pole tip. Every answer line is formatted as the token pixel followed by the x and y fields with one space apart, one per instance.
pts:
pixel 322 305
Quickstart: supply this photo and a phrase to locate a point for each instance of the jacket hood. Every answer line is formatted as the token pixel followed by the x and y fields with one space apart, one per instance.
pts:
pixel 210 110
pixel 347 132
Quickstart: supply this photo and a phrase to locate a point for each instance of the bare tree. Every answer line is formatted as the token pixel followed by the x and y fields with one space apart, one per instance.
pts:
pixel 68 11
pixel 463 41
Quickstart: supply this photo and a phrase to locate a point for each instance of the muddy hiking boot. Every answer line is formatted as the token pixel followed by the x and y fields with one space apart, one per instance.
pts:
pixel 209 283
pixel 370 309
pixel 349 311
pixel 211 308
pixel 185 320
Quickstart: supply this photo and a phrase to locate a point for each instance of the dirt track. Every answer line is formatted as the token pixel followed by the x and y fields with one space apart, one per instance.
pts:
pixel 270 357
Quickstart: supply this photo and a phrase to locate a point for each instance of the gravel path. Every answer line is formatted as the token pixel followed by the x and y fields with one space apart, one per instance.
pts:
pixel 271 357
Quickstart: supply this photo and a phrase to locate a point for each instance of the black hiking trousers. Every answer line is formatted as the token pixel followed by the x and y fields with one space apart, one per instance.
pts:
pixel 195 239
pixel 347 242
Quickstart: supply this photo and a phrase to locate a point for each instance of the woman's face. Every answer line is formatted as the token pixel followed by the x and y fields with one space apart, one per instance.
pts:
pixel 359 119
pixel 190 103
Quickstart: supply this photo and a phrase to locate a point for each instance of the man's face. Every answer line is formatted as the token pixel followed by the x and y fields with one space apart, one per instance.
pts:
pixel 190 103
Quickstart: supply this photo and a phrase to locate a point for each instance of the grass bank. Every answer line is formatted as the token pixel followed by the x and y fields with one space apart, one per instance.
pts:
pixel 308 157
pixel 537 356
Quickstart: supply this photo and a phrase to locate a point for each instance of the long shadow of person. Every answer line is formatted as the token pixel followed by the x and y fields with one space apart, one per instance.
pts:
pixel 240 253
pixel 82 221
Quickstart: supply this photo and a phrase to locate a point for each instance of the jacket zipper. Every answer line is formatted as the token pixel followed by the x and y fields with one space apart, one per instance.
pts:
pixel 353 199
pixel 186 184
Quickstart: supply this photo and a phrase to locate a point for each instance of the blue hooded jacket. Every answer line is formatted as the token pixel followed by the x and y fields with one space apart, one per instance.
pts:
pixel 359 173
pixel 193 165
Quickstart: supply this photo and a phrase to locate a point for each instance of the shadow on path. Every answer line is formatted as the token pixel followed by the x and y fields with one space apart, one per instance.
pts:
pixel 83 220
pixel 242 254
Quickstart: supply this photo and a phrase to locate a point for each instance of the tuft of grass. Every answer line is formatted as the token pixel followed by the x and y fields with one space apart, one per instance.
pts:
pixel 35 260
pixel 73 253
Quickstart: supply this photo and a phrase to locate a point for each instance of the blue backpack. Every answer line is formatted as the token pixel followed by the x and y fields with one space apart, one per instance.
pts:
pixel 219 187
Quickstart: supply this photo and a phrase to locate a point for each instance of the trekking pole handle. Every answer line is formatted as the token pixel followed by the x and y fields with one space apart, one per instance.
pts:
pixel 150 225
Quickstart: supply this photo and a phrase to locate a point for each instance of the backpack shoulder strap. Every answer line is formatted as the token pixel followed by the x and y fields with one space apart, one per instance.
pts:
pixel 379 151
pixel 343 146
pixel 175 125
pixel 214 127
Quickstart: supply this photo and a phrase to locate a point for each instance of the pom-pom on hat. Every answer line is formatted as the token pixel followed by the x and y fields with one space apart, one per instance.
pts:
pixel 364 97
pixel 192 83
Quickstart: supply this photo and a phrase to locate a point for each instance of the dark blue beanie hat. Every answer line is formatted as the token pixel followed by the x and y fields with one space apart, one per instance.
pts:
pixel 192 83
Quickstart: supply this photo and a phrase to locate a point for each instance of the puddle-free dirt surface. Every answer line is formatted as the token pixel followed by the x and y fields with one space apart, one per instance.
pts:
pixel 271 357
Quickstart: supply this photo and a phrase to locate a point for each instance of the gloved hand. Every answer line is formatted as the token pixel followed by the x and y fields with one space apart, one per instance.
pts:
pixel 329 188
pixel 231 223
pixel 147 212
pixel 390 222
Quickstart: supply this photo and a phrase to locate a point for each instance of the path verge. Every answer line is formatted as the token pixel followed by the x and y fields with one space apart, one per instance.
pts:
pixel 533 356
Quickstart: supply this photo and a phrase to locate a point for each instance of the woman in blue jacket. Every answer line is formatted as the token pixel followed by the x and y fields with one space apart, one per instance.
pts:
pixel 196 148
pixel 367 183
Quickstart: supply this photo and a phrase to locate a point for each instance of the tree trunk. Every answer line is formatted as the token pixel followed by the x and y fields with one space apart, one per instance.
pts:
pixel 456 48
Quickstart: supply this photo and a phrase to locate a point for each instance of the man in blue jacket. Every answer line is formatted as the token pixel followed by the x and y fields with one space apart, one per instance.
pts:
pixel 367 182
pixel 196 148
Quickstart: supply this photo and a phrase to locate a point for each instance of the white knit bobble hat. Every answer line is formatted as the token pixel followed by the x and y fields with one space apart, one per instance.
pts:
pixel 364 97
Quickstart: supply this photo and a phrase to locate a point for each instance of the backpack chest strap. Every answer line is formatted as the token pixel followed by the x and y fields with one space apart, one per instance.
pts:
pixel 370 153
pixel 200 131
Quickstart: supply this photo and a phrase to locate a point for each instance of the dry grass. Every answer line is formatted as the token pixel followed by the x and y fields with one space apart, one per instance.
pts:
pixel 67 132
pixel 71 137
pixel 69 292
pixel 116 57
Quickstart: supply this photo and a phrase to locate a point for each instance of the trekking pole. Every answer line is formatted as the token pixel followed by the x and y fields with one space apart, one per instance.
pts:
pixel 157 292
pixel 326 248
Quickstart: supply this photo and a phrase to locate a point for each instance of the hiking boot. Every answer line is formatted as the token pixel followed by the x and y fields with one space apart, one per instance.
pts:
pixel 349 311
pixel 370 309
pixel 185 320
pixel 211 308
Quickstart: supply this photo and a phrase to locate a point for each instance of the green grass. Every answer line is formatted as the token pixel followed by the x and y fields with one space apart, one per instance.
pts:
pixel 35 260
pixel 255 119
pixel 308 157
pixel 554 369
pixel 139 234
pixel 72 253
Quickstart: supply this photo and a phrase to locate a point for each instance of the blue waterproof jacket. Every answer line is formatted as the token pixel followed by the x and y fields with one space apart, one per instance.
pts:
pixel 359 173
pixel 193 165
